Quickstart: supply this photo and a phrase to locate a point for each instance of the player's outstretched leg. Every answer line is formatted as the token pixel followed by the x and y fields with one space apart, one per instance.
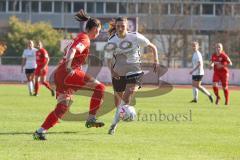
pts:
pixel 121 99
pixel 47 85
pixel 205 91
pixel 30 87
pixel 226 94
pixel 51 120
pixel 118 102
pixel 95 103
pixel 36 87
pixel 195 95
pixel 116 119
pixel 197 85
pixel 215 89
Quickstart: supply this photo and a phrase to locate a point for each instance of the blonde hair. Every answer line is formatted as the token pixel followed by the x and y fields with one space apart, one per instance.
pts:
pixel 196 43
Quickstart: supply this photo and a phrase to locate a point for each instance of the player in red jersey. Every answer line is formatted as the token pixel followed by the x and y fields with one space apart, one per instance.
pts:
pixel 69 77
pixel 41 71
pixel 220 62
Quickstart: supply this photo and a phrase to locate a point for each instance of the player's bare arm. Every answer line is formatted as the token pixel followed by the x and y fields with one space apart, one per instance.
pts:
pixel 155 56
pixel 211 65
pixel 70 57
pixel 23 64
pixel 229 61
pixel 47 61
pixel 194 69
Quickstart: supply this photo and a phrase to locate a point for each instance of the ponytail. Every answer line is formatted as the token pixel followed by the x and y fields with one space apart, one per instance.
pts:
pixel 81 16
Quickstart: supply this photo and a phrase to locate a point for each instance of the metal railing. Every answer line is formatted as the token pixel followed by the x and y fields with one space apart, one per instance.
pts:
pixel 99 61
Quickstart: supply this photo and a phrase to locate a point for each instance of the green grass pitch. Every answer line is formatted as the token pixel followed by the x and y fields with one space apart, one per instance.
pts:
pixel 188 131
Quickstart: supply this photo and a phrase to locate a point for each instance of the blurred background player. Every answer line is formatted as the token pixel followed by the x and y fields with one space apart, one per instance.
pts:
pixel 69 77
pixel 41 71
pixel 126 65
pixel 197 73
pixel 220 62
pixel 29 63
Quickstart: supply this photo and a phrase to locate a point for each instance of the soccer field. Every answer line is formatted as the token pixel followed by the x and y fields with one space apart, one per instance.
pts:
pixel 168 127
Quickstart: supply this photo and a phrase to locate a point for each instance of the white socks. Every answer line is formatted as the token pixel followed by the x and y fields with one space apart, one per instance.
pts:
pixel 30 87
pixel 41 130
pixel 195 93
pixel 90 117
pixel 116 116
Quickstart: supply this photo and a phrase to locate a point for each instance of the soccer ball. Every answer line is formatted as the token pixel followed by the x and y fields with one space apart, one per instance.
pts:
pixel 127 113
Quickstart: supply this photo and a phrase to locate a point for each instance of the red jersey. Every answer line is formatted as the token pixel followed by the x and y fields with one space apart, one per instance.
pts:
pixel 80 42
pixel 221 58
pixel 41 57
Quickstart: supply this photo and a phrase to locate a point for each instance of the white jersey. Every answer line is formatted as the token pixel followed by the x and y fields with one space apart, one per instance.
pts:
pixel 197 58
pixel 30 55
pixel 126 52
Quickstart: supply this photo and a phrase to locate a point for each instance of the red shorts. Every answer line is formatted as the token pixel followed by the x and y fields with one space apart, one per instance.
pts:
pixel 38 71
pixel 221 77
pixel 68 84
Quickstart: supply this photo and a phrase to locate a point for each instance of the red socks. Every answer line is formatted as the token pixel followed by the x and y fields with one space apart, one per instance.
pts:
pixel 96 99
pixel 53 117
pixel 50 121
pixel 61 108
pixel 36 87
pixel 215 89
pixel 226 94
pixel 46 84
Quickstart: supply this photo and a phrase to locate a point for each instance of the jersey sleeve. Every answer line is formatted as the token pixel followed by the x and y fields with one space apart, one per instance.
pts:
pixel 142 40
pixel 213 58
pixel 225 60
pixel 24 54
pixel 199 58
pixel 45 53
pixel 80 43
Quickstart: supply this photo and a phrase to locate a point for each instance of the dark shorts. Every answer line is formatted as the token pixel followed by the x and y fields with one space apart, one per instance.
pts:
pixel 197 77
pixel 29 71
pixel 119 85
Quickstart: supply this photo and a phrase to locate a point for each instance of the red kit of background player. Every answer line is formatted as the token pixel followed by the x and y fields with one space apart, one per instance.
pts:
pixel 220 62
pixel 41 71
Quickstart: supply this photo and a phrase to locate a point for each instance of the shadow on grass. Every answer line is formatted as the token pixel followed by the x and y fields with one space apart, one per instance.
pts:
pixel 30 133
pixel 49 133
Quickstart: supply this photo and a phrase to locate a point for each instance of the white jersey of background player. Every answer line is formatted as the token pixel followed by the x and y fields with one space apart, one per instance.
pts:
pixel 197 73
pixel 29 63
pixel 197 60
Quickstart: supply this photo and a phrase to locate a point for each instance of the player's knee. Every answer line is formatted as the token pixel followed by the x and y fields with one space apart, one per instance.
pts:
pixel 61 109
pixel 130 90
pixel 100 87
pixel 225 87
pixel 215 85
pixel 195 85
